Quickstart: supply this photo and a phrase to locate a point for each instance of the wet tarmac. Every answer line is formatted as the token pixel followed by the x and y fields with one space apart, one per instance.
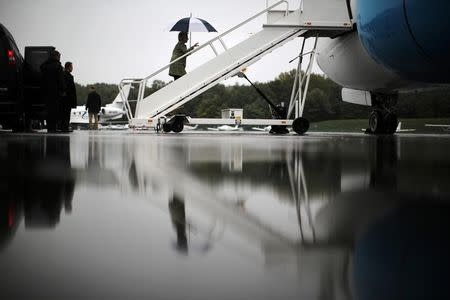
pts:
pixel 115 215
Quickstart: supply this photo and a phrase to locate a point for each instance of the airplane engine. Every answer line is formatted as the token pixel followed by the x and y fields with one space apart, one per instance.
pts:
pixel 346 62
pixel 409 37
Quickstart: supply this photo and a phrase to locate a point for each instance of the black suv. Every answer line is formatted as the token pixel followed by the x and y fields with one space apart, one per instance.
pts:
pixel 20 80
pixel 11 83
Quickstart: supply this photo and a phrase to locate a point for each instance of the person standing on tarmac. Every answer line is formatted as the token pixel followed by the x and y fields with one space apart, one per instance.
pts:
pixel 53 88
pixel 178 68
pixel 69 101
pixel 93 105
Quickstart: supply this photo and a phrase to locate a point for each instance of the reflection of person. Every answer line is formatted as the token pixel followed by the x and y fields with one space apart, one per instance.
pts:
pixel 178 68
pixel 47 195
pixel 52 87
pixel 33 192
pixel 69 101
pixel 178 217
pixel 93 153
pixel 93 105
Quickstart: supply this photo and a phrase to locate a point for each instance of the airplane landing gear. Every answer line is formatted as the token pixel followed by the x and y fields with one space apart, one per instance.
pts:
pixel 375 122
pixel 382 120
pixel 380 123
pixel 391 122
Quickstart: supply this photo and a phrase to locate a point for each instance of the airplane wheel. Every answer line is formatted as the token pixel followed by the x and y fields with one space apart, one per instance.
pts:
pixel 376 122
pixel 167 127
pixel 300 125
pixel 177 126
pixel 391 123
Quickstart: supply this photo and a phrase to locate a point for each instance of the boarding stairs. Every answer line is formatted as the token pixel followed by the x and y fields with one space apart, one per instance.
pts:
pixel 313 18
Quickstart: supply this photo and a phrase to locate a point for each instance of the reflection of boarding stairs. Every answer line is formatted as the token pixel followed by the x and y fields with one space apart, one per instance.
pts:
pixel 314 18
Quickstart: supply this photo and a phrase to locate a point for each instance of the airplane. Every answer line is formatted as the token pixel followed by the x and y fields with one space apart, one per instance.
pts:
pixel 395 47
pixel 114 127
pixel 400 129
pixel 265 129
pixel 109 112
pixel 445 127
pixel 225 128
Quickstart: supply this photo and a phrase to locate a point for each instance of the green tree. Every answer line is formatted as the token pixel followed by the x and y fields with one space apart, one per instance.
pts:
pixel 323 100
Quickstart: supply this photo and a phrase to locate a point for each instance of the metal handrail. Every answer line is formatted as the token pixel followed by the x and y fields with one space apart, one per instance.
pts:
pixel 141 81
pixel 125 101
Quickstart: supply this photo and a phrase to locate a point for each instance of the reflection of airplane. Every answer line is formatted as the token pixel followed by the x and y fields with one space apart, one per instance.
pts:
pixel 265 129
pixel 225 128
pixel 391 50
pixel 109 112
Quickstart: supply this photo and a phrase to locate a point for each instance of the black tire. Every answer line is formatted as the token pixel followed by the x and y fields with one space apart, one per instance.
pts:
pixel 278 129
pixel 167 127
pixel 177 126
pixel 376 122
pixel 391 123
pixel 300 125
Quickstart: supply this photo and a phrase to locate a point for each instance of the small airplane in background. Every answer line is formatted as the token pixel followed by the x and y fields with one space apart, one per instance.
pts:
pixel 225 128
pixel 445 127
pixel 400 129
pixel 109 112
pixel 265 129
pixel 114 127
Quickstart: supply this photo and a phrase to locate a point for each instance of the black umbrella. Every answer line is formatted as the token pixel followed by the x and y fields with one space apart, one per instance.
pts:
pixel 192 24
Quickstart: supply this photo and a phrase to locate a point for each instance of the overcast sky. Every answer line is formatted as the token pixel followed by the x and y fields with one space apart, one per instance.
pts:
pixel 108 40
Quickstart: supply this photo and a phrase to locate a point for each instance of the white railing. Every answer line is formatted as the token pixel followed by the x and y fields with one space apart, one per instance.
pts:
pixel 143 81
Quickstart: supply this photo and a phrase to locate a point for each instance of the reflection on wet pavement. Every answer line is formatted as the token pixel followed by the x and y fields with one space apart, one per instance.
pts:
pixel 201 216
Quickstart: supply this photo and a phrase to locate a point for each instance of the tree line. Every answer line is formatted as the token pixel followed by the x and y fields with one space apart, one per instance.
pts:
pixel 323 101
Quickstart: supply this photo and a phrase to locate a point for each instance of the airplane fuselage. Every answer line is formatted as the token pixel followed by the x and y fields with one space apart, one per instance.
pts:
pixel 396 45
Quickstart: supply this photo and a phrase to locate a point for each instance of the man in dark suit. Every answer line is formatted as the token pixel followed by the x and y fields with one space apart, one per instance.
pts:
pixel 93 105
pixel 53 87
pixel 69 101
